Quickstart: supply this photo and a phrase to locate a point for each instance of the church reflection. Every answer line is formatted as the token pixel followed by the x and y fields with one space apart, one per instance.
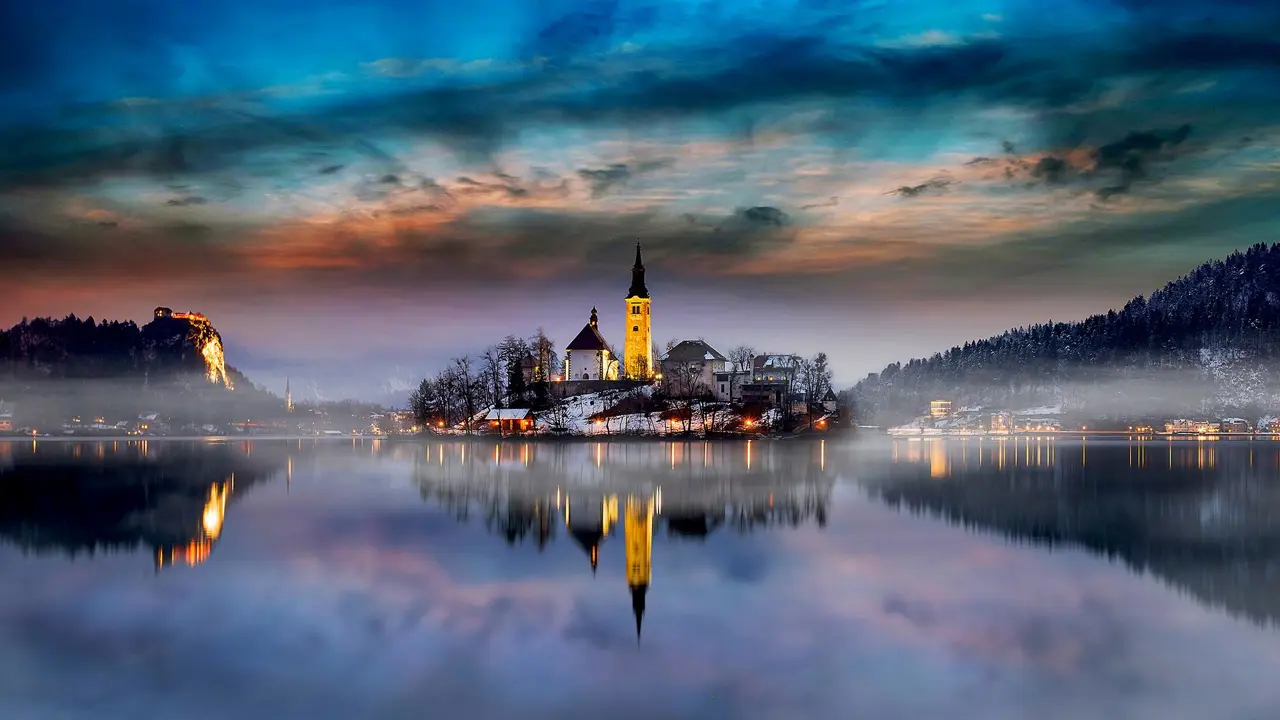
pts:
pixel 1202 515
pixel 598 491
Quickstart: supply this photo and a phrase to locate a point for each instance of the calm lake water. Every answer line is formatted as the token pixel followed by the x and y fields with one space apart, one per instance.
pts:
pixel 851 578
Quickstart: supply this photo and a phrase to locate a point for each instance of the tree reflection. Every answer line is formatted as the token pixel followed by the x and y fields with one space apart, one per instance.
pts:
pixel 85 498
pixel 1202 516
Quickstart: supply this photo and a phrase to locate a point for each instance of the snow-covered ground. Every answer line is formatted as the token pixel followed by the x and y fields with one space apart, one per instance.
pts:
pixel 588 415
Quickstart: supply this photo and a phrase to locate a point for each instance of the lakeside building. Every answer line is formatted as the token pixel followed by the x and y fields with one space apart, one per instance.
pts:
pixel 694 366
pixel 939 409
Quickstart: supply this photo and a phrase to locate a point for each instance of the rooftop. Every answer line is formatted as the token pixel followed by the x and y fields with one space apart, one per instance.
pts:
pixel 508 414
pixel 692 351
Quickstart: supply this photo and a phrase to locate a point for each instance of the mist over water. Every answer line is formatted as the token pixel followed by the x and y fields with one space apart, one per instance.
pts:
pixel 369 578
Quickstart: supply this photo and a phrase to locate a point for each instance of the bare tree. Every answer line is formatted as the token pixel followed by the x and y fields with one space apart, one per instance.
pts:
pixel 805 381
pixel 683 385
pixel 740 359
pixel 470 388
pixel 494 375
pixel 544 353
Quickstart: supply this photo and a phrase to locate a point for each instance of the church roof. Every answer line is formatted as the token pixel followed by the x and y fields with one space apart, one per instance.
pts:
pixel 508 414
pixel 589 339
pixel 692 351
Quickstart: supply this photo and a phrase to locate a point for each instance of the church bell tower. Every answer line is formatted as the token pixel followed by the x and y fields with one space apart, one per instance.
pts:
pixel 638 348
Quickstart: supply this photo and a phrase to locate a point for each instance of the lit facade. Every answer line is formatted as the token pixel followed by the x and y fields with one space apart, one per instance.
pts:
pixel 939 408
pixel 637 348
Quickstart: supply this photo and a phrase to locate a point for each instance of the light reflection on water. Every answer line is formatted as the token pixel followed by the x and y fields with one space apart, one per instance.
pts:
pixel 371 578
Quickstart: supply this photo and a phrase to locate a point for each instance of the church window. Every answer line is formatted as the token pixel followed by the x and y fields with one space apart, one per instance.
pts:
pixel 586 376
pixel 635 328
pixel 635 309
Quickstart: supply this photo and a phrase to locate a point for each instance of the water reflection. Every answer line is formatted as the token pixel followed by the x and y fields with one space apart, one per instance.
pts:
pixel 526 490
pixel 770 579
pixel 85 498
pixel 1202 515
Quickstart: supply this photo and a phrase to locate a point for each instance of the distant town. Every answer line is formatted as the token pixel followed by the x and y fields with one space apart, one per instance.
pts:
pixel 943 419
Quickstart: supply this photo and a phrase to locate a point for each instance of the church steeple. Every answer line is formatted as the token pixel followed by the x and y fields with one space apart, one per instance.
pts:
pixel 637 278
pixel 638 347
pixel 595 321
pixel 639 538
pixel 637 606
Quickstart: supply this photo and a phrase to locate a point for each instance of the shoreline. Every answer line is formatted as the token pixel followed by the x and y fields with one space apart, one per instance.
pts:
pixel 414 438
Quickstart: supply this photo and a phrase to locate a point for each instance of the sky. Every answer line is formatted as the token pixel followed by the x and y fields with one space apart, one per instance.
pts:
pixel 356 192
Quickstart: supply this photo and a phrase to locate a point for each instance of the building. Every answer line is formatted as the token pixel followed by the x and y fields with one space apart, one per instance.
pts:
pixel 1236 426
pixel 690 368
pixel 1001 423
pixel 288 396
pixel 637 348
pixel 728 387
pixel 1183 426
pixel 510 420
pixel 772 377
pixel 939 409
pixel 829 401
pixel 590 529
pixel 529 369
pixel 588 357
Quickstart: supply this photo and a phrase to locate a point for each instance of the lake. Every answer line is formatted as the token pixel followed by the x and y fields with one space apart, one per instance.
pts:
pixel 950 578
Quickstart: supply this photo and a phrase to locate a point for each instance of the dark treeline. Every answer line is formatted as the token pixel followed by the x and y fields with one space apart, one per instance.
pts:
pixel 67 499
pixel 514 373
pixel 1182 348
pixel 1115 510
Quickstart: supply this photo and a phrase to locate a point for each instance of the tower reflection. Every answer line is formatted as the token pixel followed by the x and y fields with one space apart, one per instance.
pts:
pixel 693 489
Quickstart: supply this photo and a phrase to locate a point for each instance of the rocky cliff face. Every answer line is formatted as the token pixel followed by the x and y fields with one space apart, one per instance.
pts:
pixel 187 341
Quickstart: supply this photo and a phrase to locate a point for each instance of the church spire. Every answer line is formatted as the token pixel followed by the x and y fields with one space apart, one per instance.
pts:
pixel 637 606
pixel 595 321
pixel 637 278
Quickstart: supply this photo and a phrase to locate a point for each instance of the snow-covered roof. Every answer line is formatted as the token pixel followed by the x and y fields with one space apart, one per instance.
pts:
pixel 508 414
pixel 6 409
pixel 692 351
pixel 784 362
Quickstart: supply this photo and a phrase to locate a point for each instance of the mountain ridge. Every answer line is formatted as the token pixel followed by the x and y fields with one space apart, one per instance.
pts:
pixel 1207 342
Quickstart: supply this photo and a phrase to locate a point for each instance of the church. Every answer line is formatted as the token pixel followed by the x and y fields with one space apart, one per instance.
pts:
pixel 589 356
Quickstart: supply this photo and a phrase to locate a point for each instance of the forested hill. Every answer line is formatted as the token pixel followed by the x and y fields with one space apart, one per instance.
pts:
pixel 58 368
pixel 1208 342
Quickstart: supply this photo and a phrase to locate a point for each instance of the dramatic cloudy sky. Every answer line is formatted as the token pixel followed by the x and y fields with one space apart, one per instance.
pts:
pixel 355 191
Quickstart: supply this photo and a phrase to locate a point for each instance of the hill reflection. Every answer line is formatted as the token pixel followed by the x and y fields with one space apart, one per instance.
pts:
pixel 1203 516
pixel 84 498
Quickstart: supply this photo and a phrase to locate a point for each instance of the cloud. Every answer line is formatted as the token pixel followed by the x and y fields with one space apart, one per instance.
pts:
pixel 608 178
pixel 936 185
pixel 764 215
pixel 829 202
pixel 1052 169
